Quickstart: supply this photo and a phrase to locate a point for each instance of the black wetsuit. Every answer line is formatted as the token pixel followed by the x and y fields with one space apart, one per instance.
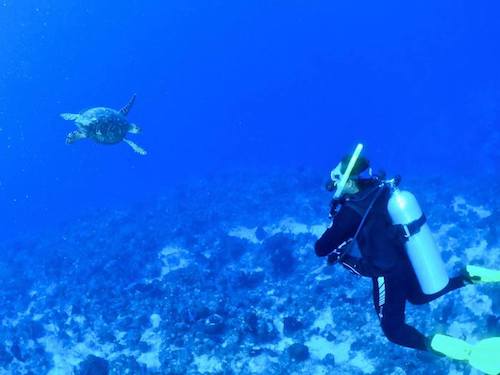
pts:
pixel 383 258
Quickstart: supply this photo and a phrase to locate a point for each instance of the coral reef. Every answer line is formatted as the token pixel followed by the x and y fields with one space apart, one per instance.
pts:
pixel 219 277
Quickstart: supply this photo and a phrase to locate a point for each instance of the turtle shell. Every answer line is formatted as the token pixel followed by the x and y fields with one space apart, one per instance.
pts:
pixel 104 125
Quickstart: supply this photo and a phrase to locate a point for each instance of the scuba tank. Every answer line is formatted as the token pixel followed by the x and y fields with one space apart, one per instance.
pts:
pixel 421 248
pixel 407 217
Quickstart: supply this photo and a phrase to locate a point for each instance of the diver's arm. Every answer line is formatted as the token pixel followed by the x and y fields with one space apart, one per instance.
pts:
pixel 344 226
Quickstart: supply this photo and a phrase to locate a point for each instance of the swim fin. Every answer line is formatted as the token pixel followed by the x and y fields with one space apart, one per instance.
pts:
pixel 478 274
pixel 482 356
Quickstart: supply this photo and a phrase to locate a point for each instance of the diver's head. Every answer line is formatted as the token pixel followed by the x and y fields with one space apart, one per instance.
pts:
pixel 352 185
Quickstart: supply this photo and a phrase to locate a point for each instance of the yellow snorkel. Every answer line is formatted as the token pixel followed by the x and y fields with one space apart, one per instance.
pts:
pixel 347 173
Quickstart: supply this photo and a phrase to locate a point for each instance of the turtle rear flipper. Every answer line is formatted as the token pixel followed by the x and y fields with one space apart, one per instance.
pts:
pixel 135 147
pixel 70 116
pixel 125 110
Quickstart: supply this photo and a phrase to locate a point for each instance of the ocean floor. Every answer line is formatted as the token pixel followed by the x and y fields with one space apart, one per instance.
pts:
pixel 219 276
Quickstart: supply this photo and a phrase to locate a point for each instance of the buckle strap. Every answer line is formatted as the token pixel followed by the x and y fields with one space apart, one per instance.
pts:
pixel 410 229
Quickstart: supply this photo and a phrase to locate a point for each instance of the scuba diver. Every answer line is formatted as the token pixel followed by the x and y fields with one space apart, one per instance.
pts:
pixel 378 231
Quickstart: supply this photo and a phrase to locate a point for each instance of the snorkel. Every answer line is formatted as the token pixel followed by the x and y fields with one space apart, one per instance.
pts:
pixel 347 173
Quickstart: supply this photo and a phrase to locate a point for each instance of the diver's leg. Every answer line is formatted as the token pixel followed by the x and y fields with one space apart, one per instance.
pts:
pixel 470 275
pixel 389 297
pixel 417 297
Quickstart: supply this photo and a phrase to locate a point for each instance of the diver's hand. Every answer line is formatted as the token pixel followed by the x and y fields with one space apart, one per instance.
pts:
pixel 334 257
pixel 340 252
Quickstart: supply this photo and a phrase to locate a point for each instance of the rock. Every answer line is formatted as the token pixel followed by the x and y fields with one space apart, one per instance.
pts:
pixel 214 324
pixel 5 356
pixel 298 352
pixel 234 247
pixel 133 337
pixel 260 233
pixel 149 290
pixel 37 330
pixel 93 365
pixel 291 325
pixel 280 247
pixel 251 321
pixel 266 331
pixel 329 360
pixel 493 325
pixel 201 312
pixel 127 365
pixel 262 329
pixel 31 329
pixel 250 279
pixel 255 351
pixel 175 362
pixel 15 349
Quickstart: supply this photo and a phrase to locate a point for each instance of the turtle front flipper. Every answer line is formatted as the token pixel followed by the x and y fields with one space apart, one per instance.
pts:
pixel 70 116
pixel 135 147
pixel 125 110
pixel 75 136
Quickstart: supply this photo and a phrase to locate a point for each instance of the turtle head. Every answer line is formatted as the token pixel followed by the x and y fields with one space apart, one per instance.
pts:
pixel 74 136
pixel 134 129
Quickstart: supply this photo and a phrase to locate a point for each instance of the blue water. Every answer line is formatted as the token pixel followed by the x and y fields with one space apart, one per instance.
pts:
pixel 237 84
pixel 242 88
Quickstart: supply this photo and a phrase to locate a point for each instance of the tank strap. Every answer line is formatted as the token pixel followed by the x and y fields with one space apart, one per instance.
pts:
pixel 344 249
pixel 410 229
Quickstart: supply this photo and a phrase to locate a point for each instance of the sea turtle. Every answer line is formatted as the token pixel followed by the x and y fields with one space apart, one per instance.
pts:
pixel 104 125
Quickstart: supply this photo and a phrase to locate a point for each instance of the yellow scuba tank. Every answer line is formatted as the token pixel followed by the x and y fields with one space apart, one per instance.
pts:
pixel 421 248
